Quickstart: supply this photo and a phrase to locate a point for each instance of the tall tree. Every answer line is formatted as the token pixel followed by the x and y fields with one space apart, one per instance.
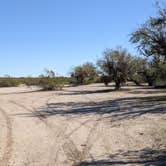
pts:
pixel 114 63
pixel 150 38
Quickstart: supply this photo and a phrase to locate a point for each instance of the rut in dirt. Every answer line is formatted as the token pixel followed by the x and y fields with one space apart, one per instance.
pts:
pixel 9 141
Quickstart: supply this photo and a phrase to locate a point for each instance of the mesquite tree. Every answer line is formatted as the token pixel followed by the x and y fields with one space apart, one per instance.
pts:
pixel 115 63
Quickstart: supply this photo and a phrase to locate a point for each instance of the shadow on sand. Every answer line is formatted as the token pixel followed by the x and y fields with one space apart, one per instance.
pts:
pixel 149 91
pixel 115 110
pixel 120 109
pixel 144 157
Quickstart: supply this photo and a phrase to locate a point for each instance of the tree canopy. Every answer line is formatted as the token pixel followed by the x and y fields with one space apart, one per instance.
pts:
pixel 115 64
pixel 150 38
pixel 84 74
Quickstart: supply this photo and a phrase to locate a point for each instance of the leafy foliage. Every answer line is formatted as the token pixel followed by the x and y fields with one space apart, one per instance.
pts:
pixel 151 36
pixel 150 39
pixel 137 67
pixel 115 64
pixel 84 74
pixel 45 83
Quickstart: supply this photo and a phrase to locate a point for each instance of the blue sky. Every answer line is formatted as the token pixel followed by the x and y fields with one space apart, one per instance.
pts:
pixel 59 34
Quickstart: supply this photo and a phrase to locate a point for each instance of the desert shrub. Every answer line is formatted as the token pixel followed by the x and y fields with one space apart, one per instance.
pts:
pixel 84 74
pixel 115 63
pixel 51 84
pixel 45 83
pixel 8 82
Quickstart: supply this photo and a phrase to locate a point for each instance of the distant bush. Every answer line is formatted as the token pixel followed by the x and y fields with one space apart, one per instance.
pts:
pixel 8 82
pixel 45 83
pixel 51 84
pixel 84 74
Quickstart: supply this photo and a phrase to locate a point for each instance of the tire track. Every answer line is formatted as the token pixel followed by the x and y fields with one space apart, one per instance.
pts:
pixel 70 149
pixel 93 134
pixel 40 117
pixel 9 141
pixel 89 141
pixel 68 146
pixel 66 143
pixel 60 134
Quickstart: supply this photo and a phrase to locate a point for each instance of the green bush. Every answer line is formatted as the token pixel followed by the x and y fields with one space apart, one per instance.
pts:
pixel 8 82
pixel 50 84
pixel 45 83
pixel 84 74
pixel 161 75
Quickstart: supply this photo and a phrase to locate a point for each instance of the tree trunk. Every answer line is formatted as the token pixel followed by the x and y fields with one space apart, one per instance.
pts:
pixel 106 83
pixel 136 82
pixel 117 85
pixel 150 83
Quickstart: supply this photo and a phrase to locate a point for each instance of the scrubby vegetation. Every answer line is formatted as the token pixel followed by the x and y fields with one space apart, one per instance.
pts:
pixel 115 63
pixel 53 83
pixel 9 82
pixel 84 74
pixel 46 83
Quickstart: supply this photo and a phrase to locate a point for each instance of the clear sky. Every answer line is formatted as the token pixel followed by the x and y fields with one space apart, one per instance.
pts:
pixel 59 34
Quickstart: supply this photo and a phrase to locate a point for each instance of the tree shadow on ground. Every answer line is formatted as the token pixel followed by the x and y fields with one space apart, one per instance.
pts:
pixel 148 91
pixel 83 92
pixel 87 92
pixel 23 92
pixel 144 157
pixel 120 109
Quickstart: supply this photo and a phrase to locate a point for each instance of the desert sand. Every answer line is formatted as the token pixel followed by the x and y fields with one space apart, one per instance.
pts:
pixel 83 125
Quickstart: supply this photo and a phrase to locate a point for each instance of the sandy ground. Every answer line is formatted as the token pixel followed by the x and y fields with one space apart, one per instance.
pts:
pixel 84 125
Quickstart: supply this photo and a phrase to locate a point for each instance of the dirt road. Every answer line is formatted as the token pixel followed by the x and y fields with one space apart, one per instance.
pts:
pixel 84 125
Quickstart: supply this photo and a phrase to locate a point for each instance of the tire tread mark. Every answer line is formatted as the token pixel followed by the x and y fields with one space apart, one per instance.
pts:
pixel 9 141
